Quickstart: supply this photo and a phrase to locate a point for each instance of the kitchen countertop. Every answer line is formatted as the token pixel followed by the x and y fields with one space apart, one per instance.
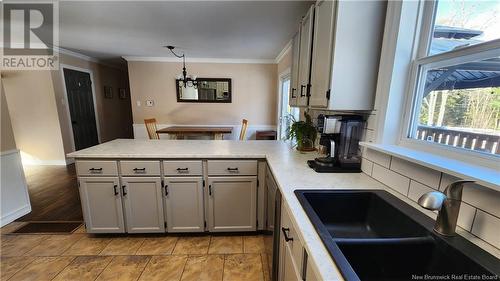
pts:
pixel 288 166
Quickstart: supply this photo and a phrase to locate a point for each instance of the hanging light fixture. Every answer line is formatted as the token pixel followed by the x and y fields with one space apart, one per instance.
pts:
pixel 188 81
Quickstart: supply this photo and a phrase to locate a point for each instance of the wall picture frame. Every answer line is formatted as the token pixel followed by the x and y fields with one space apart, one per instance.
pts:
pixel 108 92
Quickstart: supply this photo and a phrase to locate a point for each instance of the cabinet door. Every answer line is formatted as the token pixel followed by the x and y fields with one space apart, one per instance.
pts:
pixel 290 271
pixel 311 275
pixel 101 204
pixel 295 70
pixel 184 204
pixel 232 204
pixel 306 33
pixel 143 204
pixel 271 196
pixel 324 21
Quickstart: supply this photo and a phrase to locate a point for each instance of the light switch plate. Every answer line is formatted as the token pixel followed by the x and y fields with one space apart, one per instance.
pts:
pixel 150 103
pixel 138 103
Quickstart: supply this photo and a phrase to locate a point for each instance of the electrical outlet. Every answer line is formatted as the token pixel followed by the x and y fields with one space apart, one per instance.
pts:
pixel 138 103
pixel 150 103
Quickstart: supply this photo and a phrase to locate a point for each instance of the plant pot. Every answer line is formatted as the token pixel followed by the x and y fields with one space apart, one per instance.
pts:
pixel 306 149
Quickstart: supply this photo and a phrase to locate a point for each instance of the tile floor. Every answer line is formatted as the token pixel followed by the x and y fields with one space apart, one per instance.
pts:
pixel 81 256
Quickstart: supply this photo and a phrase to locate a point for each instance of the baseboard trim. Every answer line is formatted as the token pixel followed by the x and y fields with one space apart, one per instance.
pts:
pixel 14 215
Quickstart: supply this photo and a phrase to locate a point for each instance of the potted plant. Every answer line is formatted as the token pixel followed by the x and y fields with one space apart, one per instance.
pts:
pixel 304 132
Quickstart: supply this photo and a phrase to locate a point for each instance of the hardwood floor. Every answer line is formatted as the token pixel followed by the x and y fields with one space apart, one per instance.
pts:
pixel 53 194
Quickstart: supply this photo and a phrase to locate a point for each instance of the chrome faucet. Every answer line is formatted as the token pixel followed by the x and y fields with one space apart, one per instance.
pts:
pixel 448 205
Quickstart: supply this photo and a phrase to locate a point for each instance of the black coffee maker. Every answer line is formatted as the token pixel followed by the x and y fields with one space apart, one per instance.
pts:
pixel 340 134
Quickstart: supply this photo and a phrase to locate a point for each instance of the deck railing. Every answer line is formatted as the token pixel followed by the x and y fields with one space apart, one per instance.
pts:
pixel 474 141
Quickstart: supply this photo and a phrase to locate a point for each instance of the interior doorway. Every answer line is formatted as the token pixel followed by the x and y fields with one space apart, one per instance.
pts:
pixel 81 105
pixel 286 113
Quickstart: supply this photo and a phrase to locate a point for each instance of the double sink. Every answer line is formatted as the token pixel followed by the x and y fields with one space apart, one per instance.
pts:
pixel 372 235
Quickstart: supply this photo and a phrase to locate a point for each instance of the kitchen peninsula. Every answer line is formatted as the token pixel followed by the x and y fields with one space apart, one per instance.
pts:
pixel 203 168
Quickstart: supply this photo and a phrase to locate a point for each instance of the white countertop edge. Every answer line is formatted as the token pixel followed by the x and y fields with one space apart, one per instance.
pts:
pixel 484 176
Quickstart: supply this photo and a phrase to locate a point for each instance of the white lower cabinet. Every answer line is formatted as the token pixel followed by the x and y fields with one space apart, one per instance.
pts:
pixel 102 204
pixel 143 204
pixel 311 275
pixel 232 204
pixel 184 204
pixel 291 250
pixel 290 271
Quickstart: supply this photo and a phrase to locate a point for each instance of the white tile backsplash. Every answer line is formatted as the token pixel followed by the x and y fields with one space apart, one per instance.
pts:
pixel 391 179
pixel 367 166
pixel 480 209
pixel 484 198
pixel 466 216
pixel 476 195
pixel 419 173
pixel 417 189
pixel 487 227
pixel 378 157
pixel 446 180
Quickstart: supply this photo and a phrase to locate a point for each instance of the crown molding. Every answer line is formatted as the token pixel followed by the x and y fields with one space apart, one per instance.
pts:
pixel 68 53
pixel 284 51
pixel 199 60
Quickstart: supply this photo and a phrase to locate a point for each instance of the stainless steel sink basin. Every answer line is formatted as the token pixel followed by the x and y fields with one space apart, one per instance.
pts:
pixel 372 235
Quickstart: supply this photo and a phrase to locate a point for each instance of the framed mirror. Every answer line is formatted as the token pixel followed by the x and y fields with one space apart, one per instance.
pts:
pixel 204 90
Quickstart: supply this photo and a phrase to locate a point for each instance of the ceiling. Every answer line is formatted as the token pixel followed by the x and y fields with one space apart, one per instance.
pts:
pixel 202 29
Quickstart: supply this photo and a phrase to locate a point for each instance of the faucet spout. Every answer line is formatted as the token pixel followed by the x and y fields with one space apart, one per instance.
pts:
pixel 448 204
pixel 454 190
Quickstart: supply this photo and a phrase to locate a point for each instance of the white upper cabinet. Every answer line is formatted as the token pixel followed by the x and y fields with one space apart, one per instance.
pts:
pixel 306 33
pixel 348 36
pixel 295 69
pixel 324 21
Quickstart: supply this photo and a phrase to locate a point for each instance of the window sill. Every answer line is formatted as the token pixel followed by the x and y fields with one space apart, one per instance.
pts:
pixel 482 175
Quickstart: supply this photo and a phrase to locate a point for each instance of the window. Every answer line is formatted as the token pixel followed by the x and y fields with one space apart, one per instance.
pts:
pixel 457 87
pixel 287 113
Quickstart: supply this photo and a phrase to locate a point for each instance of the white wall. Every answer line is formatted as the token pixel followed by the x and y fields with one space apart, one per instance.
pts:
pixel 14 197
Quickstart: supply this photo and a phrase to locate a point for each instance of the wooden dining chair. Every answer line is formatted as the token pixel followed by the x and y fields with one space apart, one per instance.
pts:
pixel 244 125
pixel 151 127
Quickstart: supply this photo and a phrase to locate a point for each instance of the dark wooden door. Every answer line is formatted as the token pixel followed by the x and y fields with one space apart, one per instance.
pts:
pixel 81 108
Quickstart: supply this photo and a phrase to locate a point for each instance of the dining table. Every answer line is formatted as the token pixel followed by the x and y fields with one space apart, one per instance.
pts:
pixel 180 132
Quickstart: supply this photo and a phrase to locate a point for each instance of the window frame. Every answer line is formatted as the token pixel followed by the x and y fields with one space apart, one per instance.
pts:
pixel 418 66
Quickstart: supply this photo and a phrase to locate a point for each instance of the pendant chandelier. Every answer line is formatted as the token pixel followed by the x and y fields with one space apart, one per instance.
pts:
pixel 187 81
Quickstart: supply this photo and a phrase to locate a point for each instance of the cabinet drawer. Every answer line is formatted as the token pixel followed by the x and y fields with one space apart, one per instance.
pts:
pixel 96 168
pixel 232 167
pixel 140 168
pixel 182 168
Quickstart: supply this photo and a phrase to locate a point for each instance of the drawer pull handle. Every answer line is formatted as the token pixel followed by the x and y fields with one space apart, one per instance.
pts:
pixel 124 191
pixel 209 190
pixel 95 170
pixel 285 231
pixel 140 170
pixel 232 169
pixel 114 189
pixel 166 190
pixel 182 170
